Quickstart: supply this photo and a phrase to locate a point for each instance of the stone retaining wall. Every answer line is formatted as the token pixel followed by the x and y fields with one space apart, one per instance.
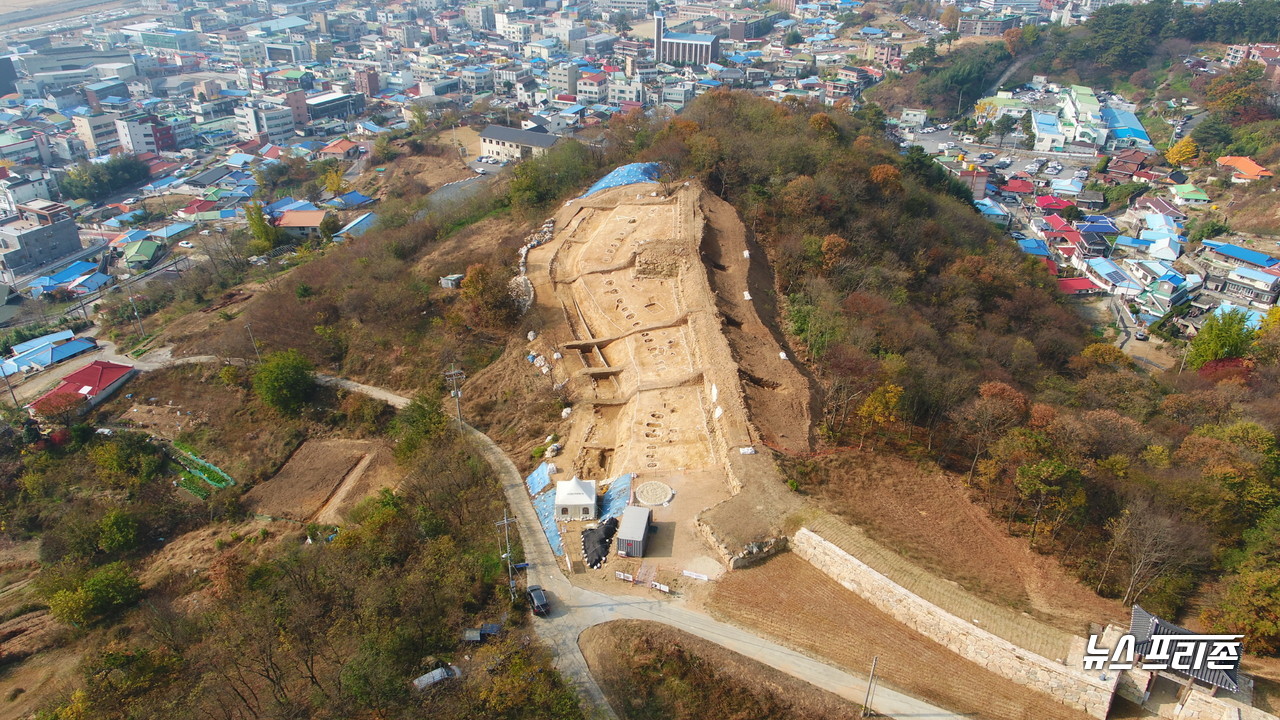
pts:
pixel 1066 684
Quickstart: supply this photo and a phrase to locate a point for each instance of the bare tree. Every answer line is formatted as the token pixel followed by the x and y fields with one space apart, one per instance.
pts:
pixel 1157 545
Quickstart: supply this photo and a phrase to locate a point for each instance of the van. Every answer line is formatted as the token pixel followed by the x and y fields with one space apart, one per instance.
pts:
pixel 435 676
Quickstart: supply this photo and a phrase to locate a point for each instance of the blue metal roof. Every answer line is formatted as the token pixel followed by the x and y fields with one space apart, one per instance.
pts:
pixel 1235 252
pixel 34 343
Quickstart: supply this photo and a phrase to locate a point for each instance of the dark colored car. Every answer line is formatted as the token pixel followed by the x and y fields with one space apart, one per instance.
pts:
pixel 538 600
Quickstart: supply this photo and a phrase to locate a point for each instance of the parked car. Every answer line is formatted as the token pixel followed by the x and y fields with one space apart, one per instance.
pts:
pixel 131 201
pixel 538 600
pixel 435 676
pixel 185 244
pixel 1140 335
pixel 1017 236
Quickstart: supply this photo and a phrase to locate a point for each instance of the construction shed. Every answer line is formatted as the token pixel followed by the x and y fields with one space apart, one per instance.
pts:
pixel 576 500
pixel 632 531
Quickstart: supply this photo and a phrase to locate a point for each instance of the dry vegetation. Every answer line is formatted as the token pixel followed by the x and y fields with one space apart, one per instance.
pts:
pixel 650 671
pixel 785 593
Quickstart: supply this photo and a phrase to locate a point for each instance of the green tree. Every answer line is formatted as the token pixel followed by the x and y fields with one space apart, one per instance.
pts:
pixel 793 38
pixel 117 532
pixel 1223 335
pixel 284 381
pixel 1004 125
pixel 329 226
pixel 104 591
pixel 422 421
pixel 265 234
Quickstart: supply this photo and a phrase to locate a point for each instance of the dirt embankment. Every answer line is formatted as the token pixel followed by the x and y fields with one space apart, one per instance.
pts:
pixel 779 395
pixel 926 515
pixel 650 670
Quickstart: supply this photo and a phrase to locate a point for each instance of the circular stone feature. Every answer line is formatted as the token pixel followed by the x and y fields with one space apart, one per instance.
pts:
pixel 654 493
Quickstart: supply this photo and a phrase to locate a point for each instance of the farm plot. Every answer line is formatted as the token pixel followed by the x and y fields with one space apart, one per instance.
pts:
pixel 797 605
pixel 323 480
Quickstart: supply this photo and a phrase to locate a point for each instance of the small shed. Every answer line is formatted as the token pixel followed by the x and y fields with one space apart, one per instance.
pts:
pixel 576 499
pixel 632 531
pixel 452 282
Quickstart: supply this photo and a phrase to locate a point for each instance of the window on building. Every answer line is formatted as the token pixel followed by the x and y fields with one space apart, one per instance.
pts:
pixel 564 511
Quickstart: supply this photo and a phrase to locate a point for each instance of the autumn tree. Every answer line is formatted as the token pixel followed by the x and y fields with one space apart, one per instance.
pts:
pixel 880 409
pixel 1013 40
pixel 1239 96
pixel 997 408
pixel 1045 484
pixel 888 178
pixel 950 17
pixel 486 298
pixel 334 182
pixel 1183 152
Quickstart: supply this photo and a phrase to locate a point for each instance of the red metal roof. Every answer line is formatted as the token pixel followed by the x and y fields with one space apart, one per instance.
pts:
pixel 1072 286
pixel 86 382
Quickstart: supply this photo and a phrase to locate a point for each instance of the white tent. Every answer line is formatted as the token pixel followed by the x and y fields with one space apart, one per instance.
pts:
pixel 576 500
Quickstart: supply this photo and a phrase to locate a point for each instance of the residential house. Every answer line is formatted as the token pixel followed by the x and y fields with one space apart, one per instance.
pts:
pixel 140 254
pixel 340 149
pixel 302 224
pixel 83 389
pixel 1243 169
pixel 1226 256
pixel 1188 194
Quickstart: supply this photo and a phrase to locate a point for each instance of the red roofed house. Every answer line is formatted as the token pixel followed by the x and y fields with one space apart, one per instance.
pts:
pixel 1053 202
pixel 1078 286
pixel 1244 169
pixel 1019 187
pixel 83 389
pixel 341 149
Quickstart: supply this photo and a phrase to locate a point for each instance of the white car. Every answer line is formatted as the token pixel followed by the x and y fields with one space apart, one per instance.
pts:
pixel 185 244
pixel 131 201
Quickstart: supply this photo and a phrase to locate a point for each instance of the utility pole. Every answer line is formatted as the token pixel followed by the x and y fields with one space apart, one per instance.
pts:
pixel 141 331
pixel 506 531
pixel 455 378
pixel 249 328
pixel 6 384
pixel 871 681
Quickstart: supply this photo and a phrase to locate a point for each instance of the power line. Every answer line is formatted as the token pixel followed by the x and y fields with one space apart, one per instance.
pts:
pixel 455 377
pixel 506 531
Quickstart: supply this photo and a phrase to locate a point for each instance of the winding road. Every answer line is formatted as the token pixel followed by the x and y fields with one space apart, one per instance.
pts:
pixel 574 609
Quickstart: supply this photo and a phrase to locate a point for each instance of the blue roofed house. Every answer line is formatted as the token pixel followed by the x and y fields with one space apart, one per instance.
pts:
pixel 1164 288
pixel 1252 318
pixel 1049 134
pixel 1224 256
pixel 1110 277
pixel 357 227
pixel 172 232
pixel 1124 129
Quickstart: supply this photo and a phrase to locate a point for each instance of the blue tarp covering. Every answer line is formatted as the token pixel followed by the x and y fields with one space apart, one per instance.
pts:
pixel 545 506
pixel 539 479
pixel 616 497
pixel 625 175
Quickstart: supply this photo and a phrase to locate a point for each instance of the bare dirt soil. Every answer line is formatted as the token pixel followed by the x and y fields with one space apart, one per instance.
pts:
pixel 696 678
pixel 428 171
pixel 323 480
pixel 779 396
pixel 37 679
pixel 926 515
pixel 794 603
pixel 631 328
pixel 466 138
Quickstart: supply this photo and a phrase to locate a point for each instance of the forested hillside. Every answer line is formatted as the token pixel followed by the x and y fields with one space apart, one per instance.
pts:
pixel 933 336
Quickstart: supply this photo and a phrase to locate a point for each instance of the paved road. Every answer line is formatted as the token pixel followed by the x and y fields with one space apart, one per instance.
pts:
pixel 575 609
